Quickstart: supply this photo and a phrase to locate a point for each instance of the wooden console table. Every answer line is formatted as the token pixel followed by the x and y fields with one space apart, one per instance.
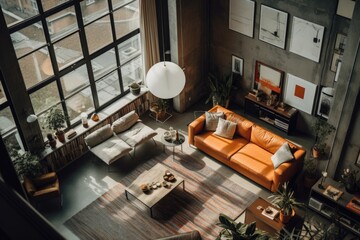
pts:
pixel 283 120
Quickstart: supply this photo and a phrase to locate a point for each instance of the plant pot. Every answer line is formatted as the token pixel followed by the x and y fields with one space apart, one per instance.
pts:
pixel 286 218
pixel 60 135
pixel 315 152
pixel 135 91
pixel 52 143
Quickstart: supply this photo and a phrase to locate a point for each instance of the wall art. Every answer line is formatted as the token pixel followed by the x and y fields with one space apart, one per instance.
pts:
pixel 325 102
pixel 273 25
pixel 241 16
pixel 345 8
pixel 306 39
pixel 335 61
pixel 340 43
pixel 299 93
pixel 237 65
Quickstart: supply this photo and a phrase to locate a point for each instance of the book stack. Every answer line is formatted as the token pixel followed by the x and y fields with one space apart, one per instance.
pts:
pixel 281 124
pixel 270 212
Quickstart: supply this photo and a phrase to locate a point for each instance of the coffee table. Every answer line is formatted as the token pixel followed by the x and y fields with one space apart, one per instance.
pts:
pixel 155 174
pixel 173 143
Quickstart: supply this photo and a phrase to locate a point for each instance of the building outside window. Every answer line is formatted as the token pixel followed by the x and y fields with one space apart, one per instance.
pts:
pixel 80 56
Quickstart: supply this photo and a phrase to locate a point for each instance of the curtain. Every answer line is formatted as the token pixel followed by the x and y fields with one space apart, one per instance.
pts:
pixel 149 34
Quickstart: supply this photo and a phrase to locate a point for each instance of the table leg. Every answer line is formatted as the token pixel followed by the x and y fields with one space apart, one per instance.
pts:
pixel 174 153
pixel 183 185
pixel 126 195
pixel 181 147
pixel 151 213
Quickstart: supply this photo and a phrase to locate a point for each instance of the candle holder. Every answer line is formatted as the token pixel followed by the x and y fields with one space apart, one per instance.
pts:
pixel 324 175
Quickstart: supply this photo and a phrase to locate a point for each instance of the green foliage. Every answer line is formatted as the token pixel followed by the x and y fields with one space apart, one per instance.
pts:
pixel 310 168
pixel 26 164
pixel 55 119
pixel 220 89
pixel 284 199
pixel 239 231
pixel 322 129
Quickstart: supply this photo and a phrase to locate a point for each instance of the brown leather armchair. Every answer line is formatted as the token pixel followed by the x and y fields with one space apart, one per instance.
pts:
pixel 42 188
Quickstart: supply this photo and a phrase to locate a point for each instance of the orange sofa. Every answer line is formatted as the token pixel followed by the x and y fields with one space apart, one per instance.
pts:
pixel 250 150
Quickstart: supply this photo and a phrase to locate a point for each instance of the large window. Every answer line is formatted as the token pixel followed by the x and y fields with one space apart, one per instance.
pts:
pixel 79 56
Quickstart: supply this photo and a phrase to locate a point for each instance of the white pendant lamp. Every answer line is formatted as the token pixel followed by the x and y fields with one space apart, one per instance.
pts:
pixel 165 80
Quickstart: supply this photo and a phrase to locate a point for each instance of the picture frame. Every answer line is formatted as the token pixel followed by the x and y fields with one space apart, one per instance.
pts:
pixel 358 159
pixel 268 79
pixel 273 26
pixel 237 65
pixel 299 93
pixel 335 61
pixel 306 39
pixel 340 43
pixel 345 8
pixel 242 16
pixel 325 102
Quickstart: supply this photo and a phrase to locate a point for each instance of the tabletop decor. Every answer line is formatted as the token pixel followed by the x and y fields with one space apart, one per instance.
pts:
pixel 349 179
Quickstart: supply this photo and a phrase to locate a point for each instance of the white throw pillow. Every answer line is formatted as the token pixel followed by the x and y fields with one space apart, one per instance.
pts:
pixel 225 128
pixel 212 119
pixel 283 154
pixel 125 122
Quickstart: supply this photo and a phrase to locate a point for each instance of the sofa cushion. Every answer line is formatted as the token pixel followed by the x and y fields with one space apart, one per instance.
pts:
pixel 255 163
pixel 218 147
pixel 243 127
pixel 225 128
pixel 111 150
pixel 98 136
pixel 265 139
pixel 212 119
pixel 137 134
pixel 283 154
pixel 125 122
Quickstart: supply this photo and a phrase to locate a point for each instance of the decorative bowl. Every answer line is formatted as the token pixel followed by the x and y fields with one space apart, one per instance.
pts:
pixel 167 136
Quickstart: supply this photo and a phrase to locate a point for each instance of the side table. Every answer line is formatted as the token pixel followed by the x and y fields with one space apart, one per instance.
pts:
pixel 273 227
pixel 173 143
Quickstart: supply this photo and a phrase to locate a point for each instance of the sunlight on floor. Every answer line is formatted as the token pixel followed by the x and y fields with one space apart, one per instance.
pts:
pixel 100 187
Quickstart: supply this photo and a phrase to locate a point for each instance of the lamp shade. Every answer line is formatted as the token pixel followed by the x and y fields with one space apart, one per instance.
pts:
pixel 165 80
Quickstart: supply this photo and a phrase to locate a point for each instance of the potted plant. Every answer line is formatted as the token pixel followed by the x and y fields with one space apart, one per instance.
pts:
pixel 322 131
pixel 55 120
pixel 233 230
pixel 311 173
pixel 349 179
pixel 220 90
pixel 52 141
pixel 26 164
pixel 159 107
pixel 135 88
pixel 284 199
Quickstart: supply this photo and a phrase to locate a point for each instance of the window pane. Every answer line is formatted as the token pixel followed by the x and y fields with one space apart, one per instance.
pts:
pixel 108 88
pixel 129 49
pixel 6 120
pixel 75 80
pixel 62 23
pixel 50 4
pixel 127 19
pixel 28 39
pixel 92 10
pixel 45 97
pixel 98 34
pixel 80 102
pixel 68 51
pixel 36 67
pixel 118 3
pixel 2 94
pixel 103 64
pixel 18 11
pixel 131 72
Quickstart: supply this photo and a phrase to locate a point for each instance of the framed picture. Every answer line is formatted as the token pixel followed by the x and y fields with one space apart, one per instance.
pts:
pixel 340 43
pixel 237 65
pixel 335 61
pixel 268 79
pixel 358 159
pixel 345 8
pixel 273 25
pixel 241 16
pixel 306 39
pixel 299 93
pixel 325 102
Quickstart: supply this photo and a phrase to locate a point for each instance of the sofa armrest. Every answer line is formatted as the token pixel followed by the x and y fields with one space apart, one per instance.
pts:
pixel 286 171
pixel 195 127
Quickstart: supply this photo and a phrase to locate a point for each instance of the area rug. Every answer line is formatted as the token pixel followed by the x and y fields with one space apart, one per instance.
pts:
pixel 207 194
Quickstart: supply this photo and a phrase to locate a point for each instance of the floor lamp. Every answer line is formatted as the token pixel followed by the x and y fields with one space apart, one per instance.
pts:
pixel 165 80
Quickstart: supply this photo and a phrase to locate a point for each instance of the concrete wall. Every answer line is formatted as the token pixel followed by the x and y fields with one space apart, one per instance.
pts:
pixel 225 42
